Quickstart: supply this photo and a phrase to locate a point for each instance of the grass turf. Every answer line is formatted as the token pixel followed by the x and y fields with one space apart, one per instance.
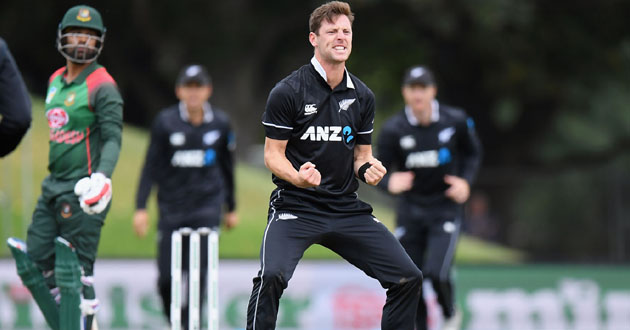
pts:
pixel 23 171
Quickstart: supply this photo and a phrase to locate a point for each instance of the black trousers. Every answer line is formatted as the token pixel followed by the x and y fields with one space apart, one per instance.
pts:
pixel 360 239
pixel 430 240
pixel 166 227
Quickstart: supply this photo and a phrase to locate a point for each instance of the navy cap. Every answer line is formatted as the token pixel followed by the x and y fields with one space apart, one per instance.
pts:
pixel 194 73
pixel 418 75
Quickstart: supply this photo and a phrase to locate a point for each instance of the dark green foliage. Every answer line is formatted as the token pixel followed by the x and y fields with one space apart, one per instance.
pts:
pixel 546 81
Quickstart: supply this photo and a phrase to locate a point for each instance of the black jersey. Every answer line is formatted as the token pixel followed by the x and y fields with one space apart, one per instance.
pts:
pixel 449 145
pixel 322 126
pixel 191 165
pixel 15 104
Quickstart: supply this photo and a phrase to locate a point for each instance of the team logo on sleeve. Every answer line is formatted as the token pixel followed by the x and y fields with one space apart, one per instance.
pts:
pixel 470 123
pixel 51 94
pixel 345 104
pixel 57 117
pixel 231 141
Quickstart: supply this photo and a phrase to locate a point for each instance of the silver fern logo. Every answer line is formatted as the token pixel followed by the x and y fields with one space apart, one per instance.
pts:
pixel 345 104
pixel 211 137
pixel 445 134
pixel 286 216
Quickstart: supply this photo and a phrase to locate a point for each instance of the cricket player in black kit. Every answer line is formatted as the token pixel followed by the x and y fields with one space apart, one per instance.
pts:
pixel 433 154
pixel 190 158
pixel 318 124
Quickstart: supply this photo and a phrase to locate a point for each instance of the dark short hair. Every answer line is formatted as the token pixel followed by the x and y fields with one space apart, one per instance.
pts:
pixel 328 11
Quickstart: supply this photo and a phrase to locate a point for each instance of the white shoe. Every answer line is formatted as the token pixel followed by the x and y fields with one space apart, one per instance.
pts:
pixel 454 322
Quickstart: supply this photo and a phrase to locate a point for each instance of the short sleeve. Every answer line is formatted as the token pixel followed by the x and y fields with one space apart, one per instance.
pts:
pixel 279 115
pixel 366 126
pixel 470 148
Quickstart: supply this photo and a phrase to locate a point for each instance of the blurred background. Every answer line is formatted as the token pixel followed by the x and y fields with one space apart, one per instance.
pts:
pixel 547 83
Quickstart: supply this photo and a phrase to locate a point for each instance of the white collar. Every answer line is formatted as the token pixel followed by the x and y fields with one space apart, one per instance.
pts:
pixel 208 115
pixel 435 114
pixel 320 69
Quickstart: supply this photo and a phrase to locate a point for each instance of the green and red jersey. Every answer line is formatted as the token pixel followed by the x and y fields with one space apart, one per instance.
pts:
pixel 85 120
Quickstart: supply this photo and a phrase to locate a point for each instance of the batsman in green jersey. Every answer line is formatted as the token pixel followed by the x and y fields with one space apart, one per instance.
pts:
pixel 84 111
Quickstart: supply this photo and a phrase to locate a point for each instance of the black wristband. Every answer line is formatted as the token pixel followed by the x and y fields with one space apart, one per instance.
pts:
pixel 362 169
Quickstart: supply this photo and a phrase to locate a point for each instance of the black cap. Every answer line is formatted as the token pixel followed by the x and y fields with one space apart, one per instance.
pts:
pixel 420 75
pixel 194 73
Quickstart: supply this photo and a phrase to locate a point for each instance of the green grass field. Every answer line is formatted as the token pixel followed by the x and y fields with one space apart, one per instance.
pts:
pixel 22 172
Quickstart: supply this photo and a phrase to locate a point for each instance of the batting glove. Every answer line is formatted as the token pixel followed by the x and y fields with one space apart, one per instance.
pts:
pixel 94 193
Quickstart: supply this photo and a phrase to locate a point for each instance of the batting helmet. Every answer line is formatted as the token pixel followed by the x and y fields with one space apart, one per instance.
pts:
pixel 81 17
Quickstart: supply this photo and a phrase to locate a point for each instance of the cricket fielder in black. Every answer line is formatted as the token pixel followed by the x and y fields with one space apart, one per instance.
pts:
pixel 318 124
pixel 433 154
pixel 15 104
pixel 190 159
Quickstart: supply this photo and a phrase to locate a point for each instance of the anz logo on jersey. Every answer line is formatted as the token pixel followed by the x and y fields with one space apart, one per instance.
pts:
pixel 328 134
pixel 428 158
pixel 194 158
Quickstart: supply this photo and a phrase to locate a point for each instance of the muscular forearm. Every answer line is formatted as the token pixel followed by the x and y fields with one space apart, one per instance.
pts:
pixel 362 155
pixel 371 174
pixel 276 161
pixel 281 167
pixel 359 161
